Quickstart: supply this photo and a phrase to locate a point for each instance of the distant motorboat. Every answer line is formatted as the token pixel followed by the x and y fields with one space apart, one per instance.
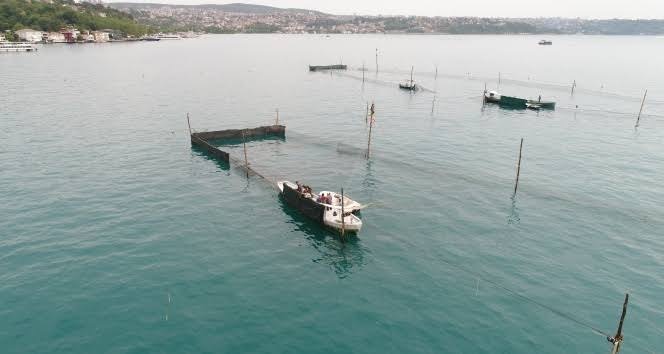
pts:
pixel 545 42
pixel 409 84
pixel 168 36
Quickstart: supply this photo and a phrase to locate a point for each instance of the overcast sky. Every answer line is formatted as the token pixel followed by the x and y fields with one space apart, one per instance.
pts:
pixel 484 8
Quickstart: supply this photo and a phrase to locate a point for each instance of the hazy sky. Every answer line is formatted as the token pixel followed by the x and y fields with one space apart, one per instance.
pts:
pixel 488 8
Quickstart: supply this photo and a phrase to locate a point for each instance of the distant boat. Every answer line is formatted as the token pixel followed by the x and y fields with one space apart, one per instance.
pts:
pixel 516 102
pixel 327 67
pixel 545 42
pixel 151 39
pixel 168 36
pixel 17 47
pixel 329 215
pixel 409 84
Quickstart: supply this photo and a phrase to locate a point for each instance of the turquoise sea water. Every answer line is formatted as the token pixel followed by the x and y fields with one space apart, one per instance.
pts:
pixel 116 236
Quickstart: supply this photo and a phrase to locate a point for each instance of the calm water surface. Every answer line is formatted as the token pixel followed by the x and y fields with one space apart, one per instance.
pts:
pixel 116 236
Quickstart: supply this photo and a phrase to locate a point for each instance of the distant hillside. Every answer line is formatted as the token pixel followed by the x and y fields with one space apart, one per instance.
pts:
pixel 238 8
pixel 248 18
pixel 55 14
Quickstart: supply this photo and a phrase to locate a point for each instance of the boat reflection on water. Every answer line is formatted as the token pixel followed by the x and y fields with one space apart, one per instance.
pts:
pixel 344 258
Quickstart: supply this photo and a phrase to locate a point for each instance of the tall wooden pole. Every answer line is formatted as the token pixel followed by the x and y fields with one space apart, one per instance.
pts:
pixel 343 222
pixel 641 110
pixel 484 96
pixel 618 338
pixel 518 169
pixel 366 117
pixel 277 123
pixel 573 87
pixel 189 123
pixel 246 161
pixel 371 121
pixel 363 70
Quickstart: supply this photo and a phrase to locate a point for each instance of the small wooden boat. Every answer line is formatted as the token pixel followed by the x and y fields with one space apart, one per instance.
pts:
pixel 327 67
pixel 329 215
pixel 409 84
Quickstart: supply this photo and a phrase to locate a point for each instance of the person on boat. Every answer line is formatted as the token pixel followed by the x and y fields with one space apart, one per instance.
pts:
pixel 539 99
pixel 329 198
pixel 299 187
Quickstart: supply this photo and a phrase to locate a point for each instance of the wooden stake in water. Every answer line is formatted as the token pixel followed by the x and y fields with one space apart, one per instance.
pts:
pixel 484 96
pixel 277 122
pixel 363 70
pixel 376 60
pixel 618 338
pixel 641 110
pixel 188 123
pixel 436 77
pixel 371 121
pixel 433 104
pixel 343 222
pixel 366 116
pixel 518 169
pixel 573 87
pixel 246 161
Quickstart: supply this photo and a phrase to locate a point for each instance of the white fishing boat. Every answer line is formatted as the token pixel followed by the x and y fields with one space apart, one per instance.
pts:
pixel 332 218
pixel 17 47
pixel 409 84
pixel 319 207
pixel 349 204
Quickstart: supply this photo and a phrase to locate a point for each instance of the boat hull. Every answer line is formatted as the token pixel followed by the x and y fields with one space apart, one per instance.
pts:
pixel 327 67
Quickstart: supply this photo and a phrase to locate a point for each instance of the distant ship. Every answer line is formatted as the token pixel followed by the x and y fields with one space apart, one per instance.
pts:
pixel 545 42
pixel 17 47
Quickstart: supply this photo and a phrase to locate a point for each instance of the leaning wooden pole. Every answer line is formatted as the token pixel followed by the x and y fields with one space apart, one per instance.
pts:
pixel 189 123
pixel 343 222
pixel 518 169
pixel 641 110
pixel 246 161
pixel 618 338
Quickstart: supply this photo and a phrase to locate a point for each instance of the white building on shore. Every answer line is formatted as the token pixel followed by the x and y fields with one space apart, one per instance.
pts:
pixel 29 35
pixel 54 37
pixel 100 36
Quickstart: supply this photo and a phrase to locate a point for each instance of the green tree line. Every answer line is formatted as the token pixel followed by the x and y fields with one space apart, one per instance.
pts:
pixel 19 14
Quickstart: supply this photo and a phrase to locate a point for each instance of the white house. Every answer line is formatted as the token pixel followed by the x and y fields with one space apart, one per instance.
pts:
pixel 100 36
pixel 54 37
pixel 29 35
